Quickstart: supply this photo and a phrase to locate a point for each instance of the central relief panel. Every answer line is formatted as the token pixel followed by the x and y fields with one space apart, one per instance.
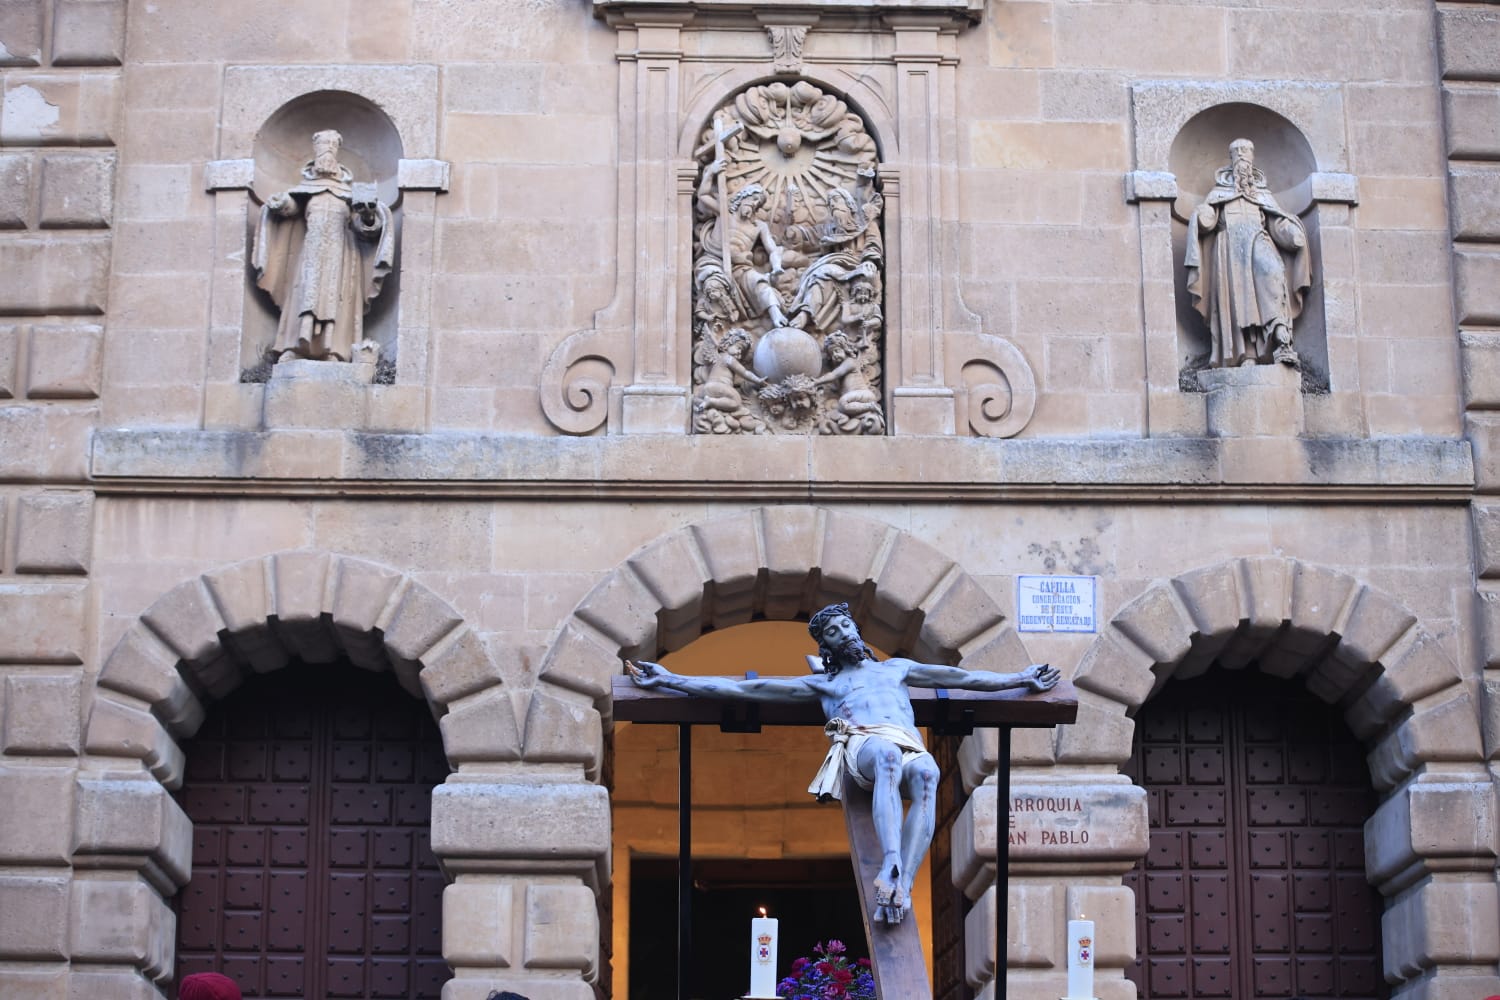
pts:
pixel 788 268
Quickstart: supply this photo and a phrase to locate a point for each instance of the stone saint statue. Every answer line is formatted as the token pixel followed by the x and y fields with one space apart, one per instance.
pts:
pixel 873 732
pixel 322 250
pixel 1247 266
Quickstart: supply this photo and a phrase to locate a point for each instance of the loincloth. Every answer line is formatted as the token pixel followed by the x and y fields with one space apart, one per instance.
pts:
pixel 843 754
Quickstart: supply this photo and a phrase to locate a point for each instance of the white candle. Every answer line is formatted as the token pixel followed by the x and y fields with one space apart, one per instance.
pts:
pixel 1080 960
pixel 763 956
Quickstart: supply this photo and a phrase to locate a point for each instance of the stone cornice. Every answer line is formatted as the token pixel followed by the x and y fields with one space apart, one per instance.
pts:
pixel 464 465
pixel 751 12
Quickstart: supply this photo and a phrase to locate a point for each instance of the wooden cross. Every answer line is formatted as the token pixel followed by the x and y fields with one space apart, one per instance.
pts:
pixel 895 951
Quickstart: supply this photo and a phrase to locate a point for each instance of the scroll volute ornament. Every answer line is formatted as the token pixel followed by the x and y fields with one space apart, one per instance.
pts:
pixel 788 268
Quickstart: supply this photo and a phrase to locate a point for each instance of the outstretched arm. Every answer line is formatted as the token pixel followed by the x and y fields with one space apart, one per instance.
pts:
pixel 1037 677
pixel 653 675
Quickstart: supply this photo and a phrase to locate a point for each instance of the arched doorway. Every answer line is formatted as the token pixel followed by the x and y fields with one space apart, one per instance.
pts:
pixel 1254 884
pixel 310 794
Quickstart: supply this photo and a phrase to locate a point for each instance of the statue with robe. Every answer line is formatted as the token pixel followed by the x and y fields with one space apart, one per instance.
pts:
pixel 1248 266
pixel 322 251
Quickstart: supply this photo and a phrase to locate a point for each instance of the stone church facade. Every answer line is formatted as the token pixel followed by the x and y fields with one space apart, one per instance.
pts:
pixel 639 319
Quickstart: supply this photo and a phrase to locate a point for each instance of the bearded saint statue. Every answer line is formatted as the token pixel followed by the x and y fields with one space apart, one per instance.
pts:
pixel 322 250
pixel 1247 266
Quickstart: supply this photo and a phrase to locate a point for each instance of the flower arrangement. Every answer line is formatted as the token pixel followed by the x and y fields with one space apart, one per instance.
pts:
pixel 828 976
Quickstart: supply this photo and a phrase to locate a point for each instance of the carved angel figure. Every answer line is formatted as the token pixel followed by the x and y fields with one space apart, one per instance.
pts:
pixel 718 407
pixel 1247 266
pixel 859 404
pixel 322 251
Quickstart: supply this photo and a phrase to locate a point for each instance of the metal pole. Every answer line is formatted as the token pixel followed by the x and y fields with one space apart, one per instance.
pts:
pixel 684 854
pixel 1002 862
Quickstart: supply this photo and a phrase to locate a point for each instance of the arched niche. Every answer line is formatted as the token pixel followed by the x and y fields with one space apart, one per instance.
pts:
pixel 1286 156
pixel 372 150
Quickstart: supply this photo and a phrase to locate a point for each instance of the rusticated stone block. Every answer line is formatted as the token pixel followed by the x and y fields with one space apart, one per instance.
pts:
pixel 44 623
pixel 482 727
pixel 85 983
pixel 10 351
pixel 119 729
pixel 1473 118
pixel 479 922
pixel 36 824
pixel 21 32
pixel 1481 369
pixel 671 571
pixel 729 551
pixel 1155 623
pixel 961 612
pixel 1116 670
pixel 123 818
pixel 1468 38
pixel 459 665
pixel 15 186
pixel 39 982
pixel 562 927
pixel 1112 909
pixel 419 620
pixel 36 916
pixel 1417 669
pixel 621 608
pixel 43 713
pixel 850 546
pixel 791 541
pixel 54 532
pixel 1444 729
pixel 910 576
pixel 562 731
pixel 43 442
pixel 62 274
pixel 1102 734
pixel 88 32
pixel 1475 200
pixel 71 108
pixel 65 362
pixel 118 921
pixel 557 822
pixel 580 663
pixel 1476 276
pixel 187 620
pixel 77 191
pixel 1372 627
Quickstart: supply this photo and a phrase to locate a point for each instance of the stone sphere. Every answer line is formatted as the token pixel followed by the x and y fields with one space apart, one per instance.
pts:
pixel 787 351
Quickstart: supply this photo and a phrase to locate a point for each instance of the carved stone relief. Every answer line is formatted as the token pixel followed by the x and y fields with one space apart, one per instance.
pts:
pixel 788 268
pixel 1248 266
pixel 322 251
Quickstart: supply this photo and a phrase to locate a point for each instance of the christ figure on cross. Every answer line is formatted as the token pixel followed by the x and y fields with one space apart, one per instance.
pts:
pixel 873 732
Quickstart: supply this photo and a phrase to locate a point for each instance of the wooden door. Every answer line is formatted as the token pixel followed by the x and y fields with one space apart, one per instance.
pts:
pixel 1254 885
pixel 310 794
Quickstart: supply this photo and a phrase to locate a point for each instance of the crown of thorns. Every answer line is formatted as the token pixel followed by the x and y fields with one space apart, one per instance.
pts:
pixel 816 622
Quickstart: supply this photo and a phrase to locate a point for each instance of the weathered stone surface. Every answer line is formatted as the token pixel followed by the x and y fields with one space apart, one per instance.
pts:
pixel 562 731
pixel 417 622
pixel 187 620
pixel 88 32
pixel 122 819
pixel 16 171
pixel 55 532
pixel 119 729
pixel 535 821
pixel 59 274
pixel 1116 670
pixel 482 727
pixel 1468 37
pixel 622 609
pixel 34 828
pixel 562 928
pixel 69 109
pixel 77 190
pixel 43 713
pixel 119 921
pixel 44 623
pixel 1472 114
pixel 459 665
pixel 65 361
pixel 1156 624
pixel 1475 200
pixel 21 33
pixel 577 661
pixel 1476 279
pixel 36 926
pixel 479 922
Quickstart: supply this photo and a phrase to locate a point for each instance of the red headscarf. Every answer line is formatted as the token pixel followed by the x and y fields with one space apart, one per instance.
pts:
pixel 208 986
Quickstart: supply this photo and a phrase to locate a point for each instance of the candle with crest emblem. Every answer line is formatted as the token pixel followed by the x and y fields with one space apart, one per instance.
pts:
pixel 1080 960
pixel 763 931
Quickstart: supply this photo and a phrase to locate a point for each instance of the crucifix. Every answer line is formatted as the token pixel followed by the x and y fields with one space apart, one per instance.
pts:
pixel 876 756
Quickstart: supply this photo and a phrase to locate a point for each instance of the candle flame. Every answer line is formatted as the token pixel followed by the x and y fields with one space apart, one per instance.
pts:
pixel 762 911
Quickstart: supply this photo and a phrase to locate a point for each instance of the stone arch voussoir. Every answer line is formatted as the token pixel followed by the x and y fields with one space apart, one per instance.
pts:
pixel 202 638
pixel 1352 646
pixel 775 562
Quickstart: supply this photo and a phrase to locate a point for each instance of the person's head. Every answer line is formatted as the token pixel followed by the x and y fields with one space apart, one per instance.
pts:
pixel 838 347
pixel 207 986
pixel 1242 162
pixel 736 344
pixel 747 200
pixel 838 638
pixel 326 152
